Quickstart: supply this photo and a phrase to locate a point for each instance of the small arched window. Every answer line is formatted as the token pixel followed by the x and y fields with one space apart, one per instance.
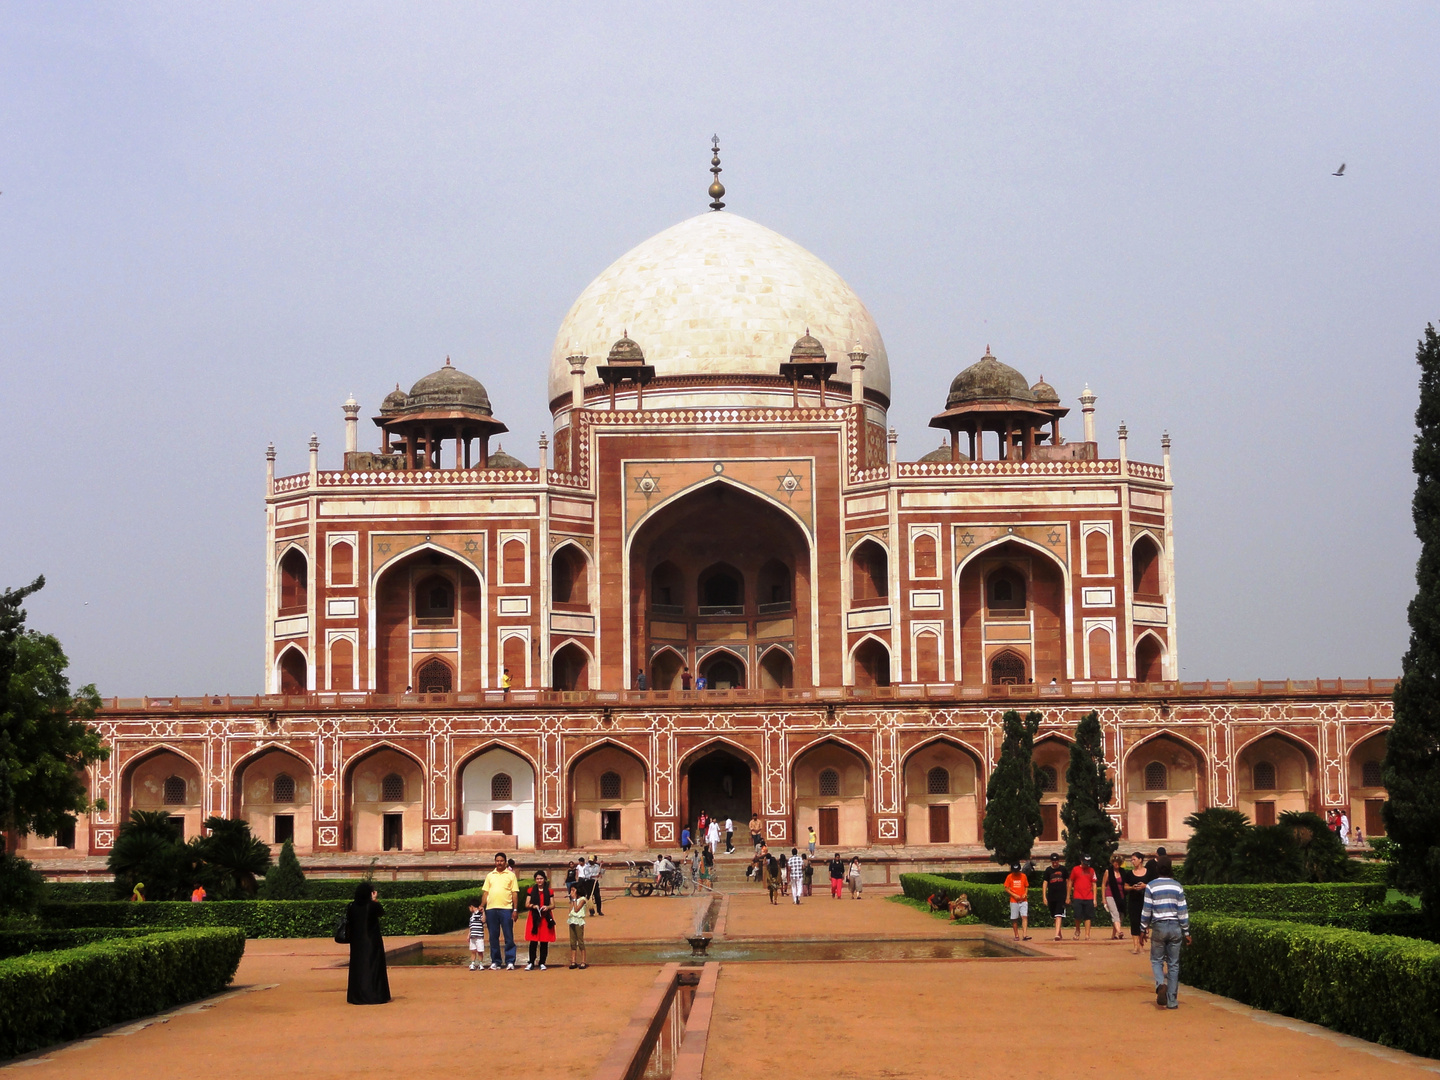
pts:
pixel 174 791
pixel 1048 778
pixel 435 599
pixel 869 573
pixel 1097 553
pixel 392 788
pixel 1370 774
pixel 937 781
pixel 1008 668
pixel 1264 776
pixel 284 788
pixel 1005 591
pixel 829 782
pixel 610 785
pixel 435 677
pixel 925 556
pixel 569 576
pixel 502 788
pixel 342 563
pixel 512 567
pixel 1157 778
pixel 1145 567
pixel 294 581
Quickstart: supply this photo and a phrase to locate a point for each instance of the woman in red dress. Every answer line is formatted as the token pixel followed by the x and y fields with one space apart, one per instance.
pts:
pixel 540 920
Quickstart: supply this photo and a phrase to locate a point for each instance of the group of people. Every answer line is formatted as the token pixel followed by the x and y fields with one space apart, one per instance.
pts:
pixel 1339 822
pixel 492 916
pixel 708 833
pixel 1152 902
pixel 795 874
pixel 584 877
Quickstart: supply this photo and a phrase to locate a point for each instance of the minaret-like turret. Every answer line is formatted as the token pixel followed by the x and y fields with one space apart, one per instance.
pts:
pixel 1087 406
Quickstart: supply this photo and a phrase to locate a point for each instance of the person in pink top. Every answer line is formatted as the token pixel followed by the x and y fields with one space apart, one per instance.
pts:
pixel 1080 896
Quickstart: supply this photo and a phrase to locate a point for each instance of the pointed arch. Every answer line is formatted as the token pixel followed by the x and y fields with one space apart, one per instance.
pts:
pixel 704 663
pixel 389 659
pixel 1311 754
pixel 591 672
pixel 292 580
pixel 271 820
pixel 852 659
pixel 482 806
pixel 1066 590
pixel 942 790
pixel 288 671
pixel 707 482
pixel 598 815
pixel 1160 656
pixel 574 586
pixel 665 666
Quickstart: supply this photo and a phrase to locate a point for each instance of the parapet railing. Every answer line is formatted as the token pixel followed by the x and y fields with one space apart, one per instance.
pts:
pixel 938 693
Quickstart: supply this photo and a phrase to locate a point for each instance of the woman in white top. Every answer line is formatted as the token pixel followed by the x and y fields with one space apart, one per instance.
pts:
pixel 712 835
pixel 855 885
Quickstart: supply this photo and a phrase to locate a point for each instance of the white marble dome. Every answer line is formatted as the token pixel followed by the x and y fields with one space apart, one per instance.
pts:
pixel 718 294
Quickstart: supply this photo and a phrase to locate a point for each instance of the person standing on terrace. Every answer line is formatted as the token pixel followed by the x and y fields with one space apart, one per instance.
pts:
pixel 1165 919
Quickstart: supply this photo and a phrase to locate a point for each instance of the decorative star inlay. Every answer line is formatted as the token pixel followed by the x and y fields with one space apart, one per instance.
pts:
pixel 1053 536
pixel 471 547
pixel 967 540
pixel 383 547
pixel 647 485
pixel 789 483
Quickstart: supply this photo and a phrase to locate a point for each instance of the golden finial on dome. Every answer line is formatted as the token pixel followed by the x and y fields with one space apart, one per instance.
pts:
pixel 717 189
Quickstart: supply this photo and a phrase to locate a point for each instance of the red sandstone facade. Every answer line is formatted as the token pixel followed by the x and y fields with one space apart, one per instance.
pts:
pixel 862 622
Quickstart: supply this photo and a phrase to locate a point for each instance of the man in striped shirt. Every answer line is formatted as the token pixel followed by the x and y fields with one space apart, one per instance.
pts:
pixel 797 874
pixel 1166 920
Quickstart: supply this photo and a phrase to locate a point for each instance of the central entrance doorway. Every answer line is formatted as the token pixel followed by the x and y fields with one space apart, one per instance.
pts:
pixel 719 784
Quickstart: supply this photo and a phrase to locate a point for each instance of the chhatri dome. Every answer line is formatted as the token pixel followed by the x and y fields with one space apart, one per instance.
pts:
pixel 717 296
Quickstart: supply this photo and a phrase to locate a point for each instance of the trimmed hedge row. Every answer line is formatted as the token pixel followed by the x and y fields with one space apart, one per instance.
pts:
pixel 1331 898
pixel 50 997
pixel 24 942
pixel 80 892
pixel 268 918
pixel 1381 988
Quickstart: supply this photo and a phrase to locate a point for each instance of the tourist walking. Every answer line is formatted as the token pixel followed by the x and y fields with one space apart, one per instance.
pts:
pixel 809 876
pixel 1344 828
pixel 837 876
pixel 1017 888
pixel 1056 886
pixel 576 923
pixel 571 877
pixel 729 836
pixel 810 841
pixel 1080 895
pixel 757 835
pixel 477 935
pixel 1166 920
pixel 369 982
pixel 1115 896
pixel 1135 877
pixel 540 919
pixel 685 839
pixel 772 877
pixel 856 885
pixel 796 871
pixel 501 896
pixel 712 836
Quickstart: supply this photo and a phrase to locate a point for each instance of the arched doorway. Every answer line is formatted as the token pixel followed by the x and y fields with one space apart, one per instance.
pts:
pixel 385 802
pixel 942 795
pixel 665 668
pixel 1149 659
pixel 1052 758
pixel 497 799
pixel 720 782
pixel 1275 773
pixel 777 670
pixel 436 593
pixel 570 668
pixel 1015 594
pixel 1367 787
pixel 720 564
pixel 872 664
pixel 607 799
pixel 723 670
pixel 168 782
pixel 832 789
pixel 1164 784
pixel 276 797
pixel 294 671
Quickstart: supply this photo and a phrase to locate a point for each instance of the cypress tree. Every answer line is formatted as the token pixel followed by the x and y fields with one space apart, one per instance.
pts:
pixel 1089 830
pixel 1012 798
pixel 284 880
pixel 1411 772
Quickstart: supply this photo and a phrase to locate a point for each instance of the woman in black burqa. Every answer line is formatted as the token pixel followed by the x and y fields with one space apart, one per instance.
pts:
pixel 369 984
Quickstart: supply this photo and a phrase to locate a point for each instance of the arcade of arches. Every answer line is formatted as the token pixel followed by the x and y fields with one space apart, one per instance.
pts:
pixel 720 582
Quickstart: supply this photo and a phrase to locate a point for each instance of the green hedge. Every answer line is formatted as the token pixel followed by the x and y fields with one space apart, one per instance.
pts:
pixel 989 903
pixel 24 942
pixel 50 997
pixel 1385 989
pixel 79 892
pixel 269 918
pixel 1329 899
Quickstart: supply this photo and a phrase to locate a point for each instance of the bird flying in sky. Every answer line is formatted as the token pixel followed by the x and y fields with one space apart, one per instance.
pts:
pixel 1340 171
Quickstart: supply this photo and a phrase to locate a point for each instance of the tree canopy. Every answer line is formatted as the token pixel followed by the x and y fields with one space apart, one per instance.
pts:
pixel 1411 772
pixel 1012 798
pixel 46 740
pixel 1089 829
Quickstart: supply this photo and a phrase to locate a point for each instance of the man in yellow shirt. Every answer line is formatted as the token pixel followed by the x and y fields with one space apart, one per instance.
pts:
pixel 501 895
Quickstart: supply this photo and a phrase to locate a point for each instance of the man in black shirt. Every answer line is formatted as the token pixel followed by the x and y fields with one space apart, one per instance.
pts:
pixel 837 875
pixel 1056 884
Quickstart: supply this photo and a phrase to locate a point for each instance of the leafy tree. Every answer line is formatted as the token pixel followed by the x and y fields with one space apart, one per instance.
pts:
pixel 1411 772
pixel 1215 836
pixel 148 851
pixel 284 880
pixel 1089 830
pixel 1012 798
pixel 21 885
pixel 1322 853
pixel 233 857
pixel 45 738
pixel 1267 854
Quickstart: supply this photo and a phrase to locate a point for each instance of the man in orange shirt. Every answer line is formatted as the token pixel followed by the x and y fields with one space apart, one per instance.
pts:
pixel 1017 887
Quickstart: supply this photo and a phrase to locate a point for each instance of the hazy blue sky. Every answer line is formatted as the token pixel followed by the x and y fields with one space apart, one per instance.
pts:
pixel 219 220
